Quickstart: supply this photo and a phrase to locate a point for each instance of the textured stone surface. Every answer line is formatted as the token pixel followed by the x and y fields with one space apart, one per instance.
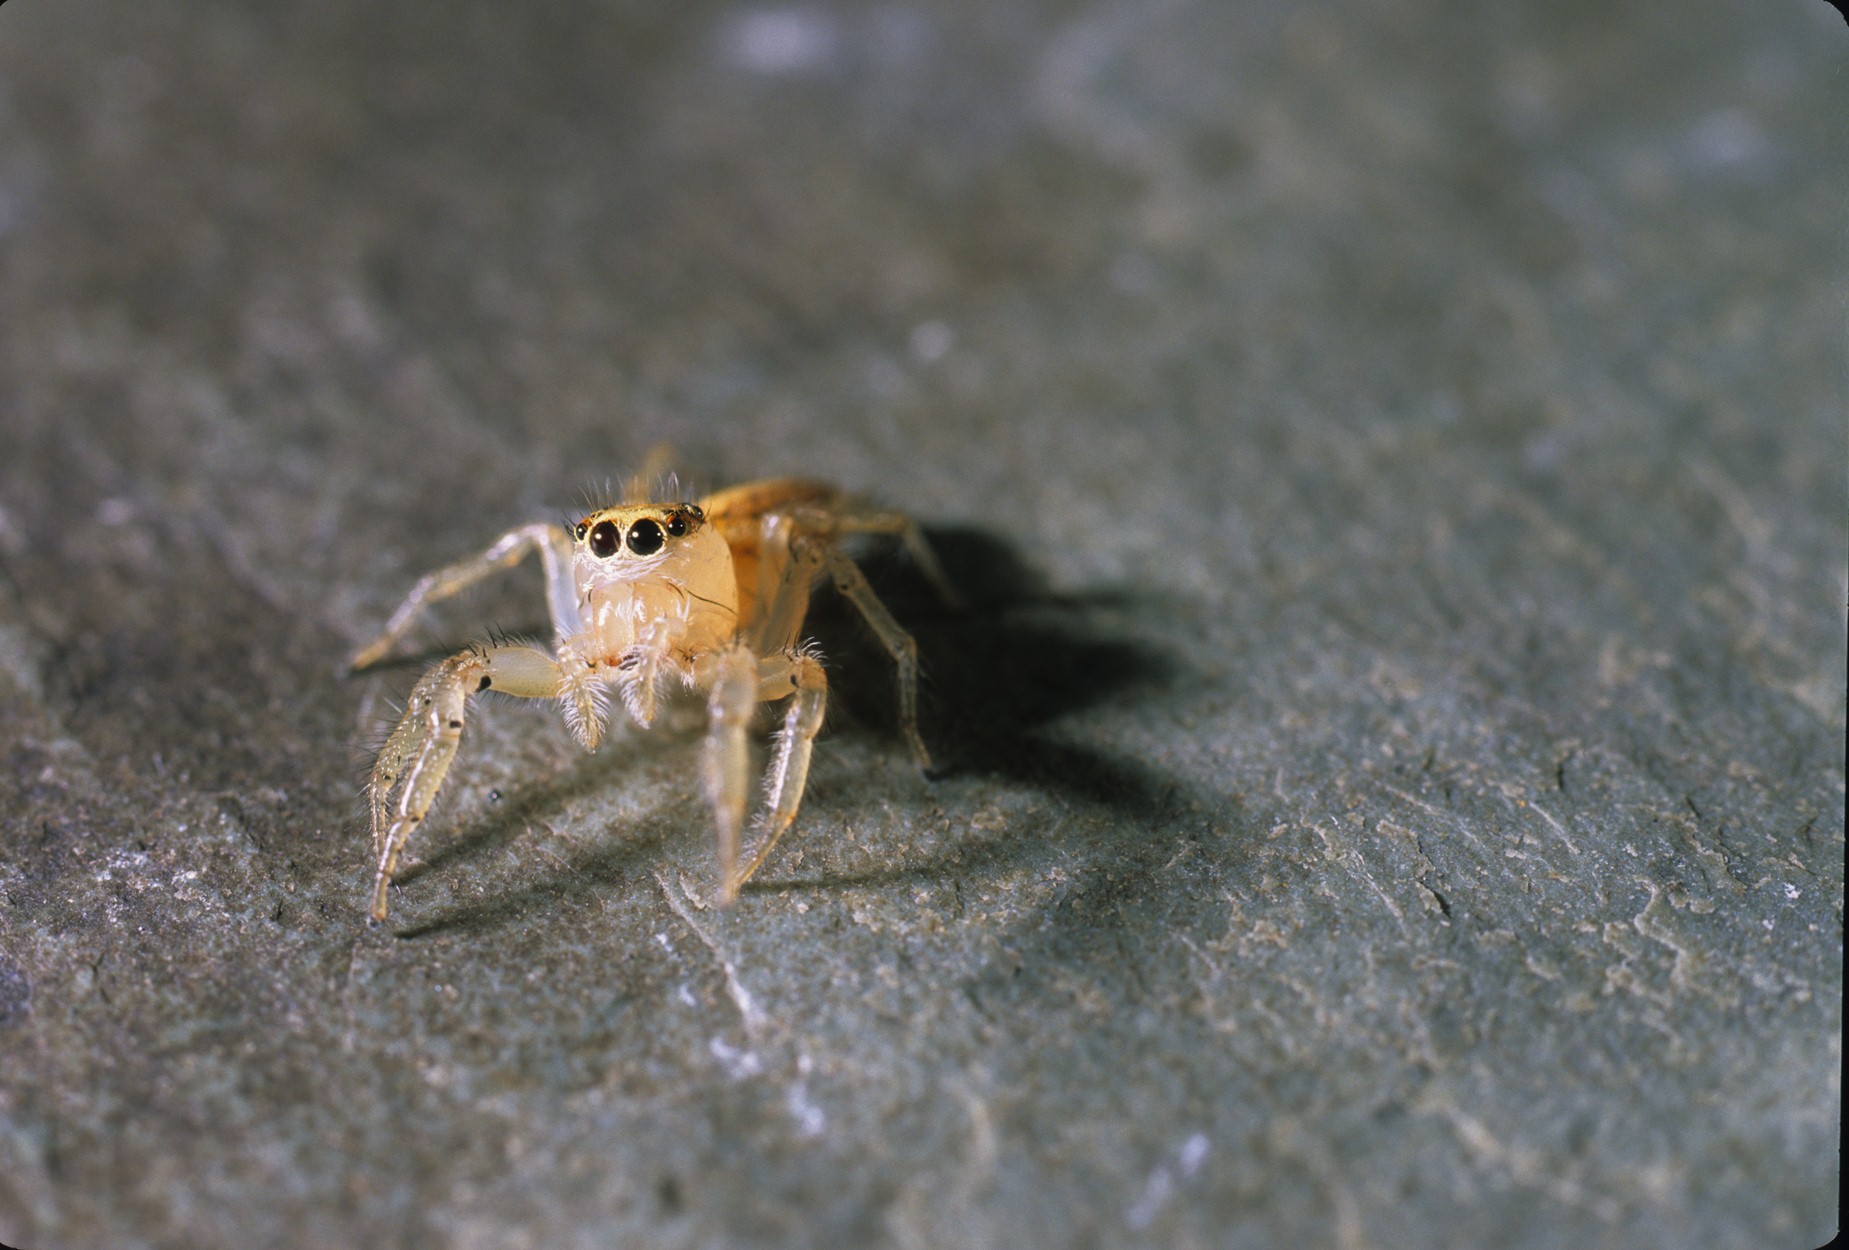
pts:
pixel 1395 792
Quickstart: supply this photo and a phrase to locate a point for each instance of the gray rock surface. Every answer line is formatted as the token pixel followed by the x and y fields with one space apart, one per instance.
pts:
pixel 1394 785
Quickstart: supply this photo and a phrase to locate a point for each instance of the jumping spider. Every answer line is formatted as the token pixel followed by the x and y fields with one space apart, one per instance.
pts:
pixel 712 594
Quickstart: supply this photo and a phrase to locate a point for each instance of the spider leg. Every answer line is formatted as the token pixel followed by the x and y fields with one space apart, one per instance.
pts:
pixel 798 672
pixel 731 679
pixel 853 585
pixel 788 561
pixel 913 539
pixel 416 758
pixel 554 547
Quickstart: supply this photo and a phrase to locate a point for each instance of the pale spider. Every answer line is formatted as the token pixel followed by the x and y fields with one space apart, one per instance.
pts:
pixel 712 594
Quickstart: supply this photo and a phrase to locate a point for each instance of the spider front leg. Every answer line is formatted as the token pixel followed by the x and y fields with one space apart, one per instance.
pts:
pixel 415 759
pixel 554 547
pixel 739 681
pixel 731 679
pixel 799 674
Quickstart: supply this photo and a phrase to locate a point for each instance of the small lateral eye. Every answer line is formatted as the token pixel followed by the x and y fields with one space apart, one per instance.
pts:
pixel 582 527
pixel 645 537
pixel 604 539
pixel 677 525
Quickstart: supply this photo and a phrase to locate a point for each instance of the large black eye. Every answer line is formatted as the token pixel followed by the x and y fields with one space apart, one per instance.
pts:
pixel 604 540
pixel 645 537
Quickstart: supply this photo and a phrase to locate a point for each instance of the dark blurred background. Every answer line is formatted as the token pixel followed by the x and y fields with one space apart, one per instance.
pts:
pixel 1392 783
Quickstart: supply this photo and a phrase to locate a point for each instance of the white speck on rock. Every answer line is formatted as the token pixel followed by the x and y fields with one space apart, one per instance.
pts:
pixel 931 340
pixel 738 1064
pixel 810 1121
pixel 1160 1186
pixel 779 41
pixel 1193 1154
pixel 1726 139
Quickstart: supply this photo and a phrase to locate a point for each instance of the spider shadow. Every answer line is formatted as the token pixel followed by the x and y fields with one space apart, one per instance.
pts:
pixel 999 674
pixel 1004 675
pixel 600 861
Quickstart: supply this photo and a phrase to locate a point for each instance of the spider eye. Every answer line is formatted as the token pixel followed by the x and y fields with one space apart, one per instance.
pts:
pixel 645 537
pixel 582 527
pixel 677 525
pixel 604 539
